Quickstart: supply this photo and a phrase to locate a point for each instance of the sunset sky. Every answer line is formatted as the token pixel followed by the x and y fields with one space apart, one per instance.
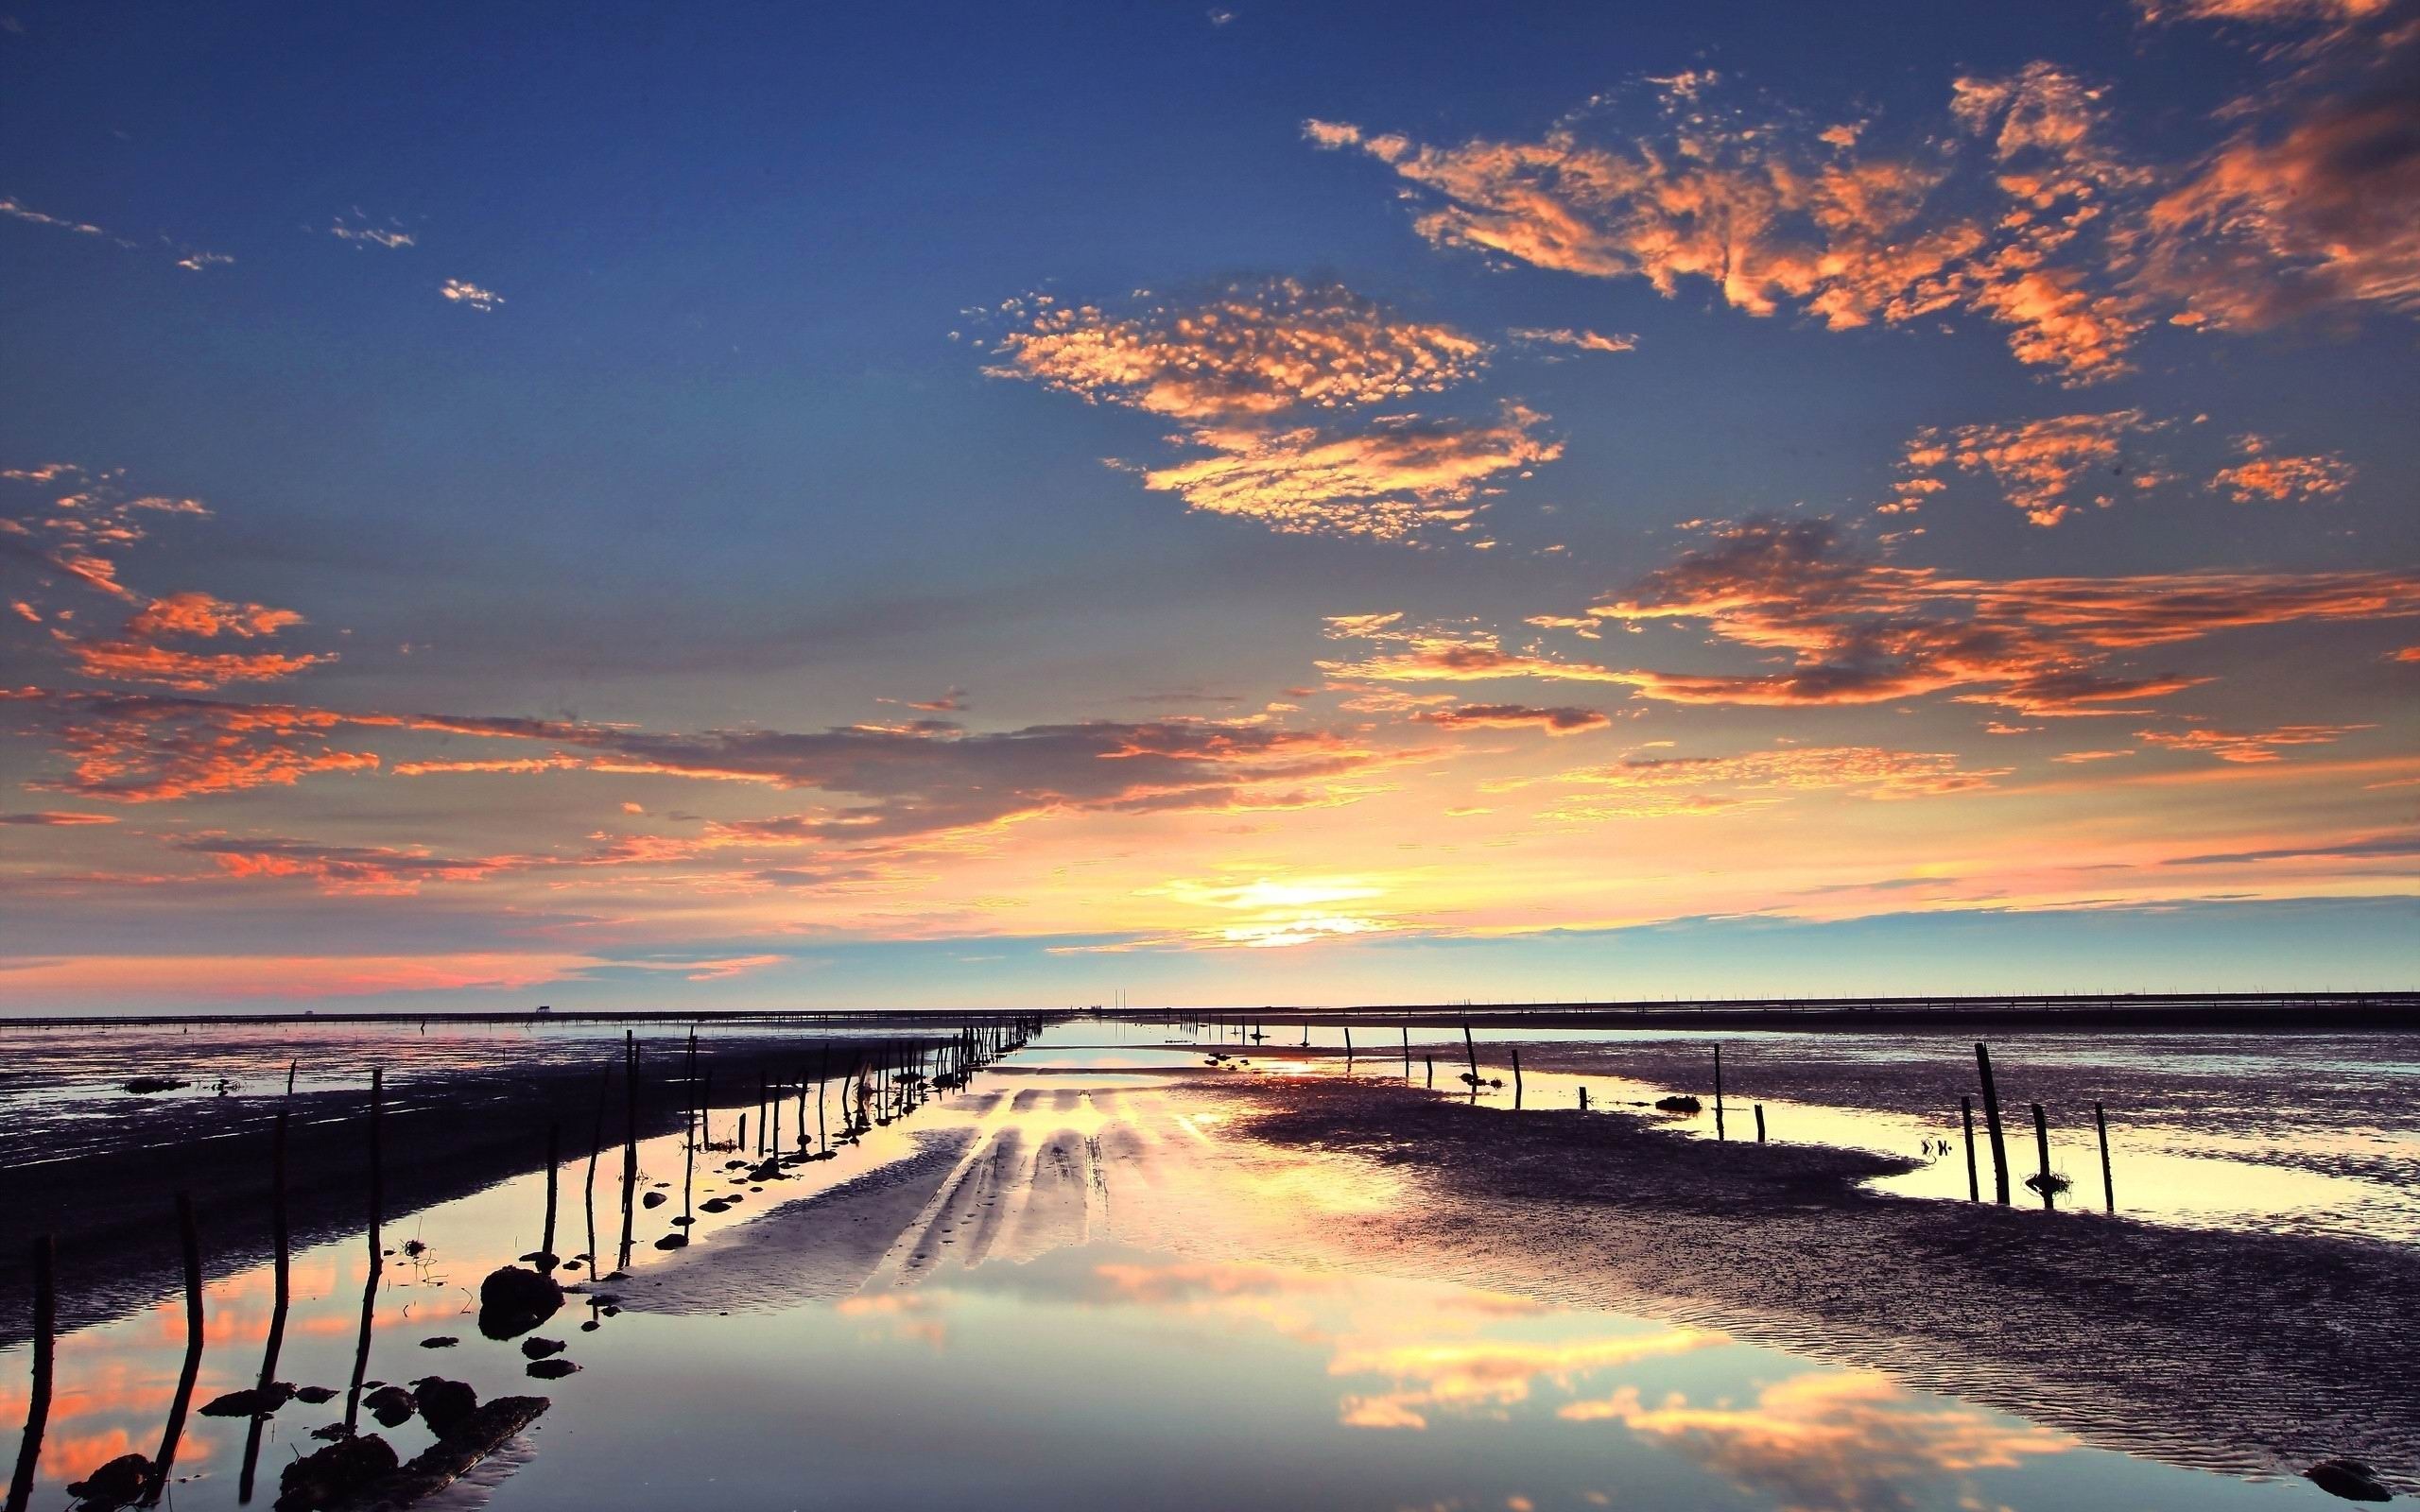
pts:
pixel 931 505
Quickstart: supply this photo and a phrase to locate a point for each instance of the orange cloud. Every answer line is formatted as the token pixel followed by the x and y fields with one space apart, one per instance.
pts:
pixel 134 660
pixel 2247 746
pixel 1772 215
pixel 1559 721
pixel 2316 217
pixel 199 614
pixel 1392 484
pixel 2038 464
pixel 1866 769
pixel 2280 479
pixel 56 818
pixel 1251 349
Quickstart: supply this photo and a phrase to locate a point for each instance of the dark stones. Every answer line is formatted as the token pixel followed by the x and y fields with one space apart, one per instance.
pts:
pixel 1683 1103
pixel 652 1199
pixel 2348 1478
pixel 391 1406
pixel 114 1484
pixel 441 1341
pixel 512 1301
pixel 143 1085
pixel 714 1205
pixel 672 1241
pixel 253 1401
pixel 444 1406
pixel 538 1348
pixel 550 1369
pixel 334 1472
pixel 315 1395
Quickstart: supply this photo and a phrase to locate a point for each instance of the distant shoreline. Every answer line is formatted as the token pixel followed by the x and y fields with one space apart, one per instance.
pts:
pixel 2387 1011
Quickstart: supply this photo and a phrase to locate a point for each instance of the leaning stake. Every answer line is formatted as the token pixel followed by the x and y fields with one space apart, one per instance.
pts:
pixel 1992 1124
pixel 2108 1188
pixel 2042 1148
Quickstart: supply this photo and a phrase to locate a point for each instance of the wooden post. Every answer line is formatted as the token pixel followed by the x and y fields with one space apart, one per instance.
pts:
pixel 277 1202
pixel 1720 1135
pixel 1974 1185
pixel 1760 1123
pixel 377 1160
pixel 554 1159
pixel 1516 1078
pixel 1470 1045
pixel 1430 1061
pixel 629 1140
pixel 1992 1124
pixel 2042 1148
pixel 705 1098
pixel 169 1436
pixel 595 1148
pixel 1407 1052
pixel 2108 1188
pixel 20 1484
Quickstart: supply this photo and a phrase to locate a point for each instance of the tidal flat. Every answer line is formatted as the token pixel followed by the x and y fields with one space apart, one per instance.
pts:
pixel 1139 1264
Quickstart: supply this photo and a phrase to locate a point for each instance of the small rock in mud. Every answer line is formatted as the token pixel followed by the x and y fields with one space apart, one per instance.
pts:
pixel 653 1199
pixel 540 1258
pixel 2348 1478
pixel 153 1084
pixel 441 1341
pixel 591 1326
pixel 512 1301
pixel 443 1404
pixel 114 1484
pixel 550 1369
pixel 672 1241
pixel 391 1406
pixel 330 1433
pixel 253 1401
pixel 334 1472
pixel 538 1348
pixel 1683 1103
pixel 315 1395
pixel 714 1205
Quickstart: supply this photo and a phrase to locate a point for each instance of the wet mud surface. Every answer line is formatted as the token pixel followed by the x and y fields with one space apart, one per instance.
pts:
pixel 2242 1352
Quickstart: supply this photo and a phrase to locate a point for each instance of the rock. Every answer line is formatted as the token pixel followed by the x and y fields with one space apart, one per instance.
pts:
pixel 540 1258
pixel 153 1084
pixel 330 1433
pixel 714 1205
pixel 512 1301
pixel 591 1326
pixel 315 1395
pixel 445 1405
pixel 2348 1478
pixel 652 1199
pixel 114 1484
pixel 550 1369
pixel 391 1406
pixel 538 1348
pixel 441 1341
pixel 672 1241
pixel 1683 1103
pixel 334 1472
pixel 254 1401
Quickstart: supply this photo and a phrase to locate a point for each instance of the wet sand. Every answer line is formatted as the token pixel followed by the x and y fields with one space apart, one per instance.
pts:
pixel 2242 1352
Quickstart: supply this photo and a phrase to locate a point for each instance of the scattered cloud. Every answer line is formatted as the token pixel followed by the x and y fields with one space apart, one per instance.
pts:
pixel 2276 477
pixel 1251 349
pixel 1577 340
pixel 462 291
pixel 1394 483
pixel 2247 746
pixel 2046 467
pixel 358 229
pixel 56 818
pixel 1558 721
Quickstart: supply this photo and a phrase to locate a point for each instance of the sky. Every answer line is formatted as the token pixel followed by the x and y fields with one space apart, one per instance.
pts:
pixel 936 505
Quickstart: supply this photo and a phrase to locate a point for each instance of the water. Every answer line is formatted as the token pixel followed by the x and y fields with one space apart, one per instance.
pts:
pixel 1096 1297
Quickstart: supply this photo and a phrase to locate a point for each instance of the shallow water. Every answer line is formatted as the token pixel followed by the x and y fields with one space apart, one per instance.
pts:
pixel 1095 1299
pixel 2266 1155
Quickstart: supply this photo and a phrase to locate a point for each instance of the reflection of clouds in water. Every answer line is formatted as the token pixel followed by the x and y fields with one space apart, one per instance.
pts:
pixel 1483 1377
pixel 905 1317
pixel 1849 1442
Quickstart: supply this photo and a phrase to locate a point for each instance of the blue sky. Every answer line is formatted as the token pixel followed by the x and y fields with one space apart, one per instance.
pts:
pixel 798 369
